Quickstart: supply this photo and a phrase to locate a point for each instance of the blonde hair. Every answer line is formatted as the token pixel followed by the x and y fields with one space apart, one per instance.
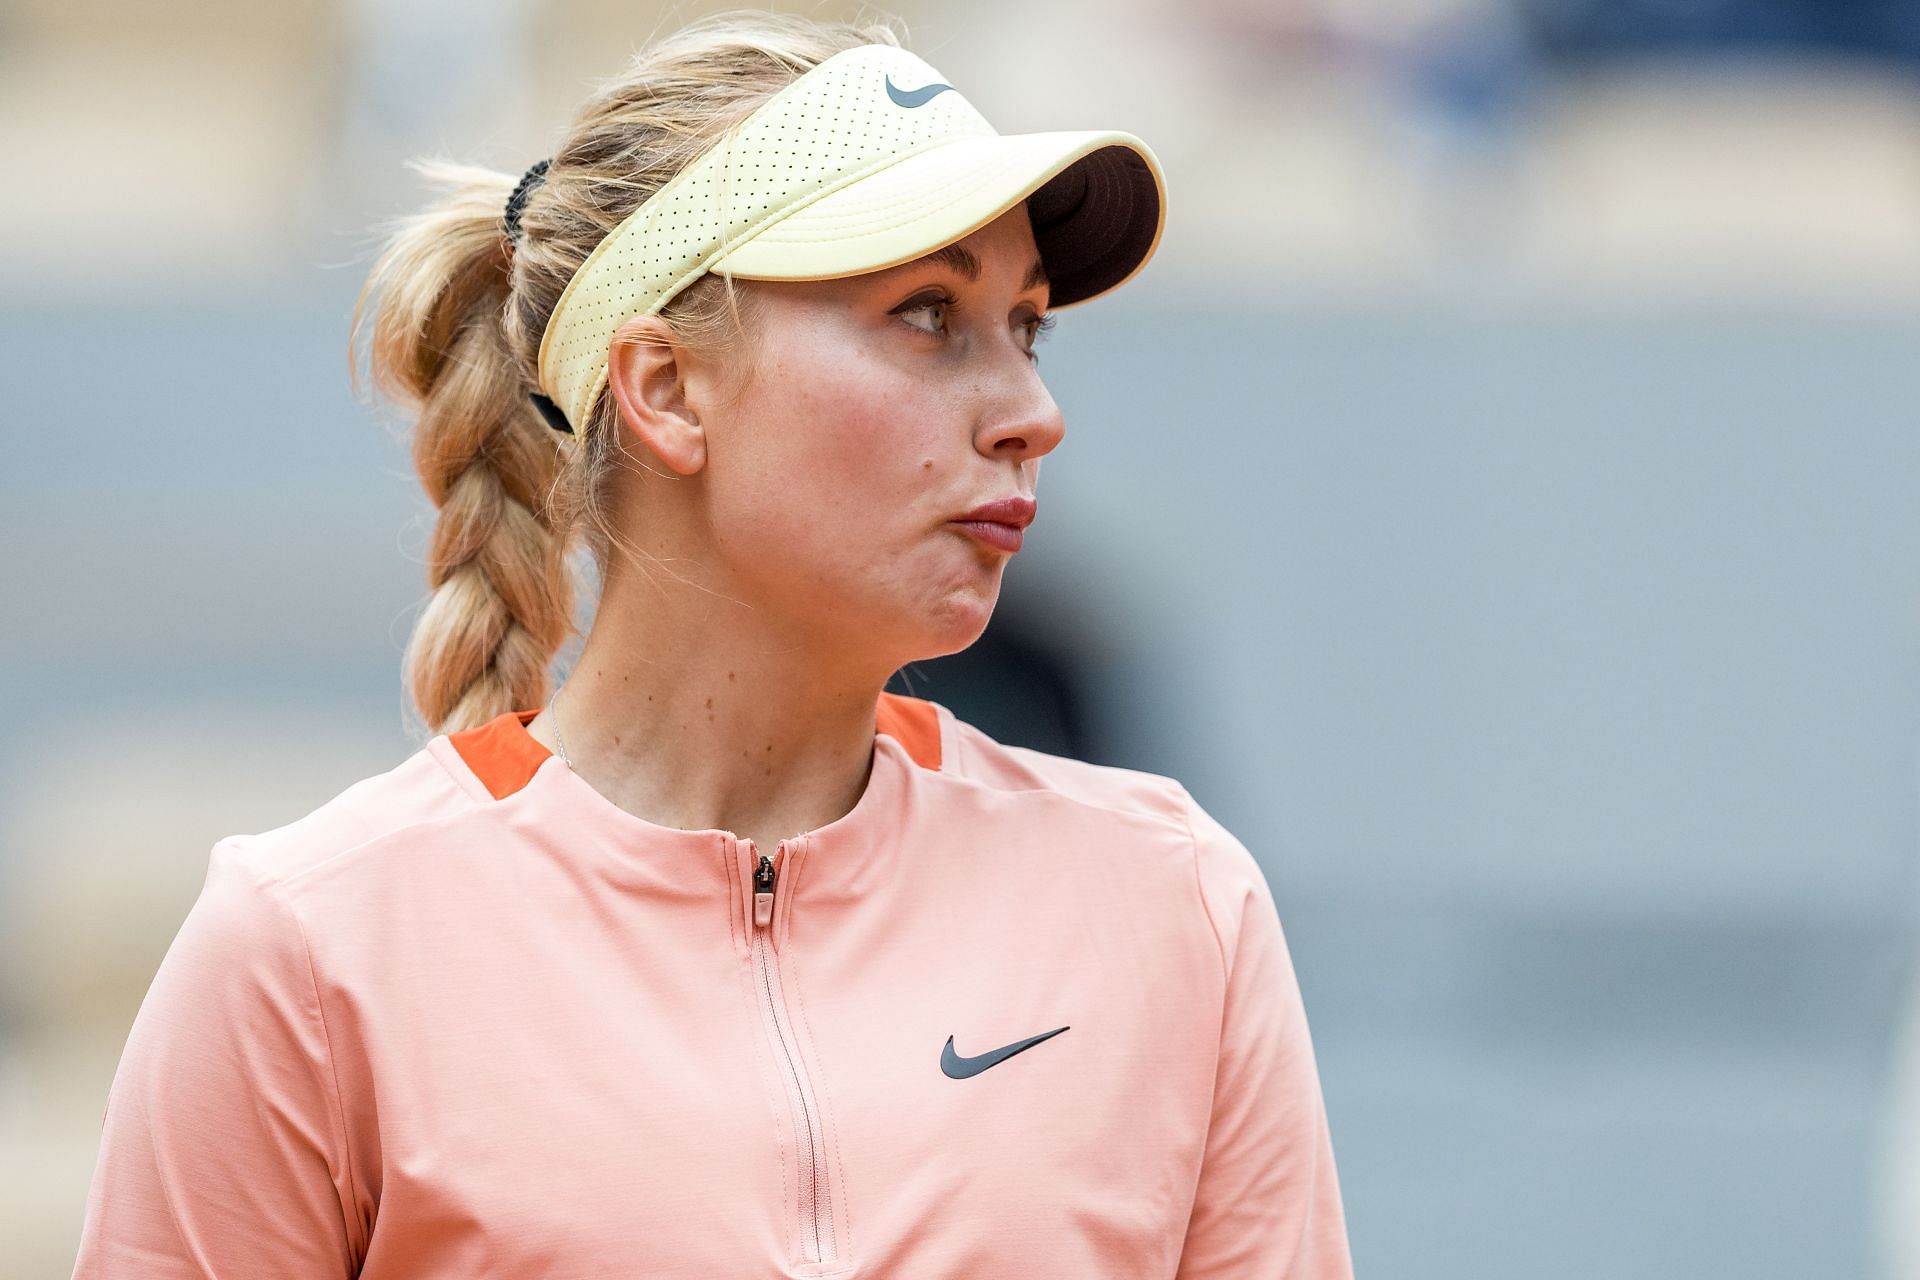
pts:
pixel 457 316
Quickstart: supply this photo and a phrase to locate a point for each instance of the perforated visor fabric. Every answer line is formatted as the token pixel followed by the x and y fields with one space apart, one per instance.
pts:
pixel 868 160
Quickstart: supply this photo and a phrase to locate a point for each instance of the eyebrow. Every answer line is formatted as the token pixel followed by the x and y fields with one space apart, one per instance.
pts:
pixel 962 259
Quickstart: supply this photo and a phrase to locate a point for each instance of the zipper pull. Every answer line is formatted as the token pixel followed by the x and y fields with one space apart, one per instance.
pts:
pixel 763 879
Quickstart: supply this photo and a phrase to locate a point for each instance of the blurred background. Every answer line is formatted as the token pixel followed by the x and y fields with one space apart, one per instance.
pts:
pixel 1496 502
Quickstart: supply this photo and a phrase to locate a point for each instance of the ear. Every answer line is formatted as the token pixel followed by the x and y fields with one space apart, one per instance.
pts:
pixel 647 377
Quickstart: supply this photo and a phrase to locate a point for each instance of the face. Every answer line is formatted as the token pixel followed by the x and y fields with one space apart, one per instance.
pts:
pixel 879 410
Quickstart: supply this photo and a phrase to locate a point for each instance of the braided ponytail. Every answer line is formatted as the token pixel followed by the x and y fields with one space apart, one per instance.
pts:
pixel 459 299
pixel 501 601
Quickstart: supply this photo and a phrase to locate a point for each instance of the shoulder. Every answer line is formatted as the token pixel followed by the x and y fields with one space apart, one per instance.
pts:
pixel 1220 870
pixel 427 786
pixel 969 754
pixel 240 970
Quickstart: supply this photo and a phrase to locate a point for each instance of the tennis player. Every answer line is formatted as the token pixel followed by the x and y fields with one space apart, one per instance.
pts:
pixel 724 961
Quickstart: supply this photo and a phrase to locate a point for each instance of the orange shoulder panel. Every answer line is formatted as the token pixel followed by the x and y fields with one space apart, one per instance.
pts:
pixel 501 753
pixel 914 723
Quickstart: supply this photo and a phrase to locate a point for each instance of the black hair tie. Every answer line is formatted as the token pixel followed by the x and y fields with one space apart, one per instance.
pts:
pixel 518 200
pixel 551 412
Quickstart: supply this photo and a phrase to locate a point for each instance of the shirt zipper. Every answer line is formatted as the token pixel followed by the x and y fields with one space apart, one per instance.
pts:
pixel 816 1206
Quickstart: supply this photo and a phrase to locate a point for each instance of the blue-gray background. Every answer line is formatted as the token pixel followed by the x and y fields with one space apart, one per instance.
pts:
pixel 1554 648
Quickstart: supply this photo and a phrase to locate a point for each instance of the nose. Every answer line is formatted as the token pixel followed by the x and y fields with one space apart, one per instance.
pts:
pixel 1022 421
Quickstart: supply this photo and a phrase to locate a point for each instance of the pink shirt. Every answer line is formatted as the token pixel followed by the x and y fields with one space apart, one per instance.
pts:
pixel 471 1018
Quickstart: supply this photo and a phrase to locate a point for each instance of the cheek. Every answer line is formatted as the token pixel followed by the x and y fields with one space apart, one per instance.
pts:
pixel 849 426
pixel 843 453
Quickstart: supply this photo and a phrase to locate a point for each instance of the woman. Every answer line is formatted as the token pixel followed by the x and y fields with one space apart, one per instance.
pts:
pixel 725 962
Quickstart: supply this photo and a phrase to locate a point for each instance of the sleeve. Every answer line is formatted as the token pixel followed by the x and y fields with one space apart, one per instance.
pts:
pixel 1268 1199
pixel 222 1143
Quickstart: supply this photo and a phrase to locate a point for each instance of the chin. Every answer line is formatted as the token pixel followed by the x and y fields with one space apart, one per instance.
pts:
pixel 959 623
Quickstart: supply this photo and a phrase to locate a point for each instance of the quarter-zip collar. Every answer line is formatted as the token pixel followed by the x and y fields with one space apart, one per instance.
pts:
pixel 557 807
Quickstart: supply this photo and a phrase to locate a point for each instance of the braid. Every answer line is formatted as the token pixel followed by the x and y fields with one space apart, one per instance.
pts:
pixel 501 601
pixel 500 607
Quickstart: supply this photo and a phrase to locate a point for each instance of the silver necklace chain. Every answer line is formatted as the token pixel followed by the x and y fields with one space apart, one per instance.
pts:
pixel 553 706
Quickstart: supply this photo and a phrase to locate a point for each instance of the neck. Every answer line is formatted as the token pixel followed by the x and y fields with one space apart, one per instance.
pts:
pixel 729 729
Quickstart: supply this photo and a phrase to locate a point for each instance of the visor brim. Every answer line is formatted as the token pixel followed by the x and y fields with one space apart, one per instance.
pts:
pixel 1097 205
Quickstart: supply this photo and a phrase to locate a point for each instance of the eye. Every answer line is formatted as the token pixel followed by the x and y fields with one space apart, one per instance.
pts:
pixel 932 313
pixel 934 307
pixel 1036 329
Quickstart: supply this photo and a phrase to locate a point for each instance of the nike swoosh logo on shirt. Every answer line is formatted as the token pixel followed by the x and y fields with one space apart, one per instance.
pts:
pixel 960 1068
pixel 914 97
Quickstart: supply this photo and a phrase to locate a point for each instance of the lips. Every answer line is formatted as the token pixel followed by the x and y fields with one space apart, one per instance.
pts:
pixel 1016 511
pixel 999 523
